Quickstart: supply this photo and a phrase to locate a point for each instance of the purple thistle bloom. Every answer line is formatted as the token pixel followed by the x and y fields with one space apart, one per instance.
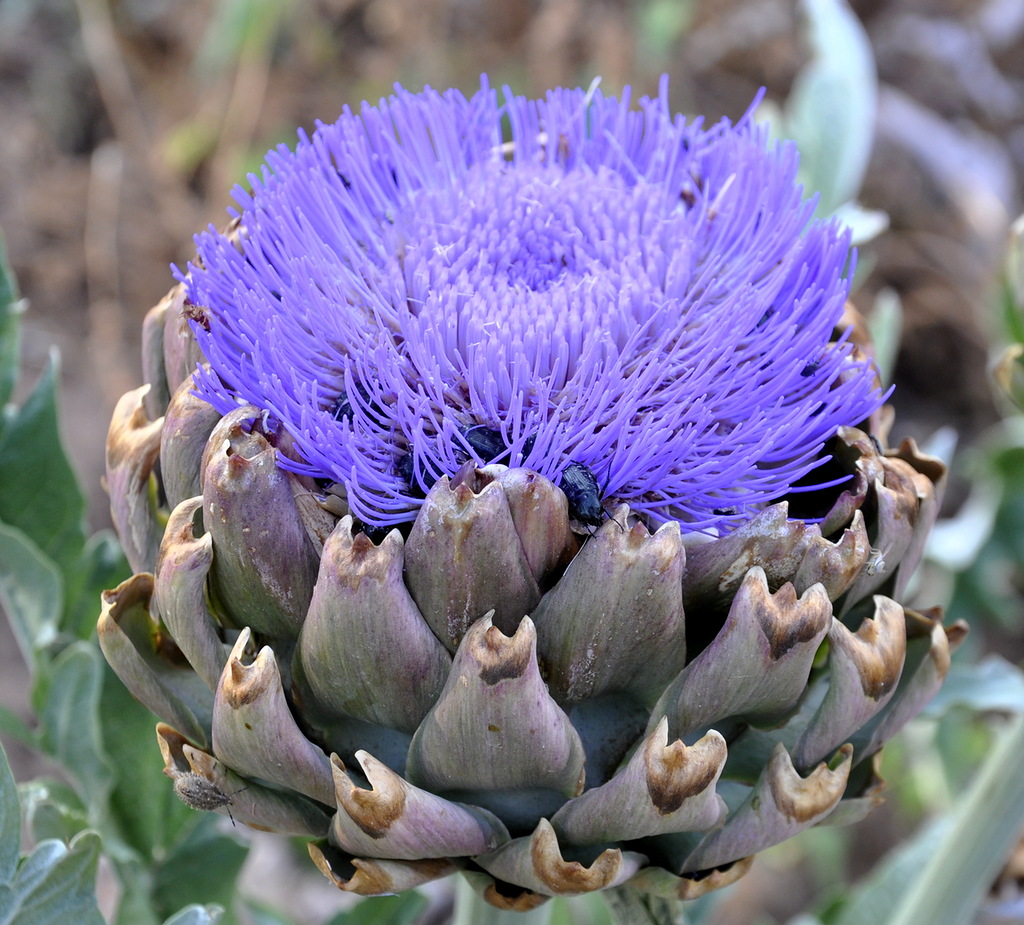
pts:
pixel 612 287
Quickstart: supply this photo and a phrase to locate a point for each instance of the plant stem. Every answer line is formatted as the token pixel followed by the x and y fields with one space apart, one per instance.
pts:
pixel 472 909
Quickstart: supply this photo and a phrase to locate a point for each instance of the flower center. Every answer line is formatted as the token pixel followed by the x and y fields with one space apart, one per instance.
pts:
pixel 536 269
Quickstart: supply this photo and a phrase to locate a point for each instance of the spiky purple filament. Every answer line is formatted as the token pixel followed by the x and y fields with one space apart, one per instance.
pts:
pixel 616 287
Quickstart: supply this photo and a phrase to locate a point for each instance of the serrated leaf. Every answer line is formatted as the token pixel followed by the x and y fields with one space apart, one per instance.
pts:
pixel 69 717
pixel 31 593
pixel 56 883
pixel 40 492
pixel 10 309
pixel 205 867
pixel 10 821
pixel 197 915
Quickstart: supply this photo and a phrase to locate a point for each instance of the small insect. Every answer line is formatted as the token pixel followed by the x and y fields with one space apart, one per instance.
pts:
pixel 725 511
pixel 190 311
pixel 811 368
pixel 199 792
pixel 579 485
pixel 485 442
pixel 876 562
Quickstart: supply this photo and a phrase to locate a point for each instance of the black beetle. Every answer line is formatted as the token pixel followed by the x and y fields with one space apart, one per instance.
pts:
pixel 343 405
pixel 374 532
pixel 581 490
pixel 485 442
pixel 343 409
pixel 404 468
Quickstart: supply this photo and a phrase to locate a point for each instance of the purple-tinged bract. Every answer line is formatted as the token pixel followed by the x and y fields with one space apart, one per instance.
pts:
pixel 592 283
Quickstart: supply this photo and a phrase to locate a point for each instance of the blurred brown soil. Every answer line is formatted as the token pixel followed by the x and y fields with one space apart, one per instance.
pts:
pixel 124 124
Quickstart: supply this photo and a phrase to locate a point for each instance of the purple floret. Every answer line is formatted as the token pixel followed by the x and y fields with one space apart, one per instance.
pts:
pixel 596 284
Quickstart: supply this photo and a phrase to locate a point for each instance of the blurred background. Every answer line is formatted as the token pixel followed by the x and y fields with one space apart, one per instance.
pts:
pixel 124 124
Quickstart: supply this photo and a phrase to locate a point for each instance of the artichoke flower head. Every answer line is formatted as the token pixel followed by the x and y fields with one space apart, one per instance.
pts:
pixel 508 495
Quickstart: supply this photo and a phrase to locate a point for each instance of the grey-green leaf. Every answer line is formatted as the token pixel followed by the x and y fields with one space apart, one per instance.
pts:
pixel 10 308
pixel 831 110
pixel 10 821
pixel 403 909
pixel 203 867
pixel 197 915
pixel 41 494
pixel 56 883
pixel 31 592
pixel 70 720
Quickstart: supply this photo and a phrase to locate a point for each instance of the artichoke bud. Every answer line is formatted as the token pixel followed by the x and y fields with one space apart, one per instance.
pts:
pixel 488 518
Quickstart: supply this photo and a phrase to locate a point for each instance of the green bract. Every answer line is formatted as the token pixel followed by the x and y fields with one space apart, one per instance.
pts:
pixel 492 690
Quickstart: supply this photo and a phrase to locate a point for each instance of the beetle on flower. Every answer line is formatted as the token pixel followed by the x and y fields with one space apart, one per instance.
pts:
pixel 377 407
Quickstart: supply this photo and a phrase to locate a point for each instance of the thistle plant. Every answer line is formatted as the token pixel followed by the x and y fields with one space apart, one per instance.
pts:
pixel 508 494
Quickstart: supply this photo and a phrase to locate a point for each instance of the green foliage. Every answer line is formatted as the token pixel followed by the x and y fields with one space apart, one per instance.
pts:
pixel 988 587
pixel 831 109
pixel 830 114
pixel 197 915
pixel 403 909
pixel 52 884
pixel 1010 370
pixel 51 576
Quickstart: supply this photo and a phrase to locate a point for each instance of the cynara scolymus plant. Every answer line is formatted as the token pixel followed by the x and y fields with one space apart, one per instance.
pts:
pixel 508 494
